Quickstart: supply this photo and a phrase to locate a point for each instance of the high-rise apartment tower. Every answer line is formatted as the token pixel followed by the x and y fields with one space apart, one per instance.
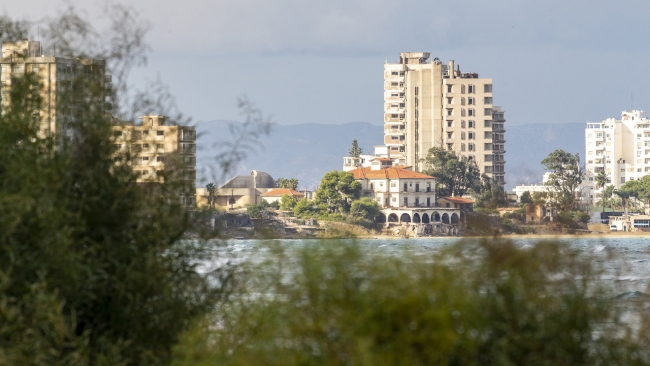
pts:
pixel 57 77
pixel 429 104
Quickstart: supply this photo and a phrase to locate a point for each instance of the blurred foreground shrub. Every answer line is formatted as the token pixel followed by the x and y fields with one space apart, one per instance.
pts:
pixel 473 304
pixel 92 268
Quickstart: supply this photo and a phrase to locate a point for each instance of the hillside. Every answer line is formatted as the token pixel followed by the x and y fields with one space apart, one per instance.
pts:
pixel 307 151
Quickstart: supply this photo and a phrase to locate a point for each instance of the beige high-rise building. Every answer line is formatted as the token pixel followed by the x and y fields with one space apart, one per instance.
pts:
pixel 429 104
pixel 155 145
pixel 57 75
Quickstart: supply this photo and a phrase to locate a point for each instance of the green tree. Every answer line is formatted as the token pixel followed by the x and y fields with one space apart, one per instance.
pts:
pixel 526 198
pixel 254 211
pixel 601 180
pixel 93 270
pixel 307 209
pixel 639 189
pixel 365 208
pixel 488 304
pixel 291 183
pixel 606 195
pixel 355 151
pixel 211 189
pixel 566 175
pixel 540 198
pixel 287 202
pixel 454 174
pixel 337 190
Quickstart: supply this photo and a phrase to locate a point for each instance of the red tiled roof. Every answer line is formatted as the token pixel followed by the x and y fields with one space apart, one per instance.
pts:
pixel 388 173
pixel 457 199
pixel 279 192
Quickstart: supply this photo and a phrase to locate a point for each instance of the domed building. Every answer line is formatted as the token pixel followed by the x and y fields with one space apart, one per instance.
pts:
pixel 240 190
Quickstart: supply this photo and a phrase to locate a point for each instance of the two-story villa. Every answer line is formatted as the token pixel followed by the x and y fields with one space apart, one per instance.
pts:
pixel 408 199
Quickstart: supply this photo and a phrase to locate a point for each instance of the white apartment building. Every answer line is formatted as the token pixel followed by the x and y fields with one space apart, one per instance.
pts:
pixel 620 147
pixel 428 104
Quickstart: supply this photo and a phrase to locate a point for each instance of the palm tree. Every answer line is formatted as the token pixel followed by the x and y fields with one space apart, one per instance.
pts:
pixel 601 180
pixel 211 188
pixel 625 196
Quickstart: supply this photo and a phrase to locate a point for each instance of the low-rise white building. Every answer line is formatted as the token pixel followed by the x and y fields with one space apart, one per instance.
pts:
pixel 584 192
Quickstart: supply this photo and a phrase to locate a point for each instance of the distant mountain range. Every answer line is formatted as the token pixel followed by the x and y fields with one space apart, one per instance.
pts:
pixel 307 151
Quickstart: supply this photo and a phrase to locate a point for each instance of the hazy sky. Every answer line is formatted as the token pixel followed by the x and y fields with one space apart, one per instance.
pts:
pixel 322 61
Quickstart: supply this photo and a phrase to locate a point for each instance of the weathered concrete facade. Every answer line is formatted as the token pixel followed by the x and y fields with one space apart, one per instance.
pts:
pixel 428 104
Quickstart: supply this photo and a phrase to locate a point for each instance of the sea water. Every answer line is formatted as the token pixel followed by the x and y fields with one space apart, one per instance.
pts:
pixel 625 260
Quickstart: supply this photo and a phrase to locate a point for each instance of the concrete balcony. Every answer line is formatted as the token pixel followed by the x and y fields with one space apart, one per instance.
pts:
pixel 394 131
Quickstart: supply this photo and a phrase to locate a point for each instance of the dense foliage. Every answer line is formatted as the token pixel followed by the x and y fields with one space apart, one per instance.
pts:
pixel 473 304
pixel 566 175
pixel 288 183
pixel 454 174
pixel 92 268
pixel 337 190
pixel 287 202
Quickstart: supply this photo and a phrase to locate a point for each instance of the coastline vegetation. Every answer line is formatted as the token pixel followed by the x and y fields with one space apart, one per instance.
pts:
pixel 94 269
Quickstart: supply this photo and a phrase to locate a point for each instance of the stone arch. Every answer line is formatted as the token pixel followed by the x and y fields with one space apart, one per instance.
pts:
pixel 435 217
pixel 393 218
pixel 454 218
pixel 416 218
pixel 381 218
pixel 405 218
pixel 425 218
pixel 445 218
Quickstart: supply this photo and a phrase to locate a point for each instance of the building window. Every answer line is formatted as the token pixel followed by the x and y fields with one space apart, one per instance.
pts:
pixel 394 83
pixel 450 111
pixel 160 146
pixel 487 135
pixel 450 147
pixel 488 169
pixel 160 159
pixel 462 147
pixel 487 88
pixel 393 116
pixel 406 201
pixel 160 133
pixel 462 101
pixel 470 89
pixel 487 124
pixel 471 124
pixel 622 179
pixel 450 135
pixel 470 147
pixel 462 89
pixel 462 112
pixel 462 135
pixel 449 123
pixel 487 147
pixel 449 100
pixel 394 73
pixel 470 135
pixel 487 158
pixel 487 100
pixel 449 88
pixel 470 112
pixel 487 111
pixel 462 124
pixel 471 101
